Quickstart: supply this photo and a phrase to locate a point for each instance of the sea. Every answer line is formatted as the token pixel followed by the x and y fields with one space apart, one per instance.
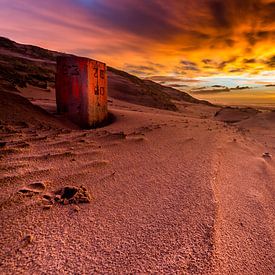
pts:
pixel 260 97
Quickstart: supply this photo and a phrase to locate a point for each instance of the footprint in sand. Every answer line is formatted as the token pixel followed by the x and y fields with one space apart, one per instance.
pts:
pixel 39 186
pixel 33 188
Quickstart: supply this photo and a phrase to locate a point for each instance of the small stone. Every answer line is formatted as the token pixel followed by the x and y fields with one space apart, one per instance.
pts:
pixel 27 239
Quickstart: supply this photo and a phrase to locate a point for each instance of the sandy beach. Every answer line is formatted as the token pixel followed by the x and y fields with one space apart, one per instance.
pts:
pixel 171 192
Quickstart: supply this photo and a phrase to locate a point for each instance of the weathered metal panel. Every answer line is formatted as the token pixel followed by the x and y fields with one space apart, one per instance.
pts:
pixel 81 90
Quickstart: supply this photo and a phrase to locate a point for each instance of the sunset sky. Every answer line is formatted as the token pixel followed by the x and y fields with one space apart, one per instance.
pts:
pixel 178 41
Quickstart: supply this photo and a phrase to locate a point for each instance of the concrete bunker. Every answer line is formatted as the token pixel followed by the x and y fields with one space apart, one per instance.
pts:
pixel 81 90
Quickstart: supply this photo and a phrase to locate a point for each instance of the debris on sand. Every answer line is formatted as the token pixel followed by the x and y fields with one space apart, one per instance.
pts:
pixel 66 195
pixel 266 155
pixel 72 195
pixel 27 240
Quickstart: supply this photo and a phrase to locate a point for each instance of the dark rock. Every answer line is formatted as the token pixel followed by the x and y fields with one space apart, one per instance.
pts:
pixel 73 195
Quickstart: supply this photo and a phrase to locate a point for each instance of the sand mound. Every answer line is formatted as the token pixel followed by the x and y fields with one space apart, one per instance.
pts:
pixel 18 112
pixel 233 115
pixel 264 121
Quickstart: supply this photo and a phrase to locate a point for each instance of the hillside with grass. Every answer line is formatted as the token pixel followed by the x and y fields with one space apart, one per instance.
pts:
pixel 26 65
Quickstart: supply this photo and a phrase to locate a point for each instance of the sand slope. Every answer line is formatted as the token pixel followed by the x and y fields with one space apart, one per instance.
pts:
pixel 171 192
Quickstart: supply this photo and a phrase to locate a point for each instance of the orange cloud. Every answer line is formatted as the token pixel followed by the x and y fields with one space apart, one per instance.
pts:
pixel 185 38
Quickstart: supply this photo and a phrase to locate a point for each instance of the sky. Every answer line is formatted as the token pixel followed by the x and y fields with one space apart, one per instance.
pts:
pixel 175 42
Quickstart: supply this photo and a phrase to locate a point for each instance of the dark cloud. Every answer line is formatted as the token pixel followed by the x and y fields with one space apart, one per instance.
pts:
pixel 191 80
pixel 212 64
pixel 258 36
pixel 220 13
pixel 251 38
pixel 270 62
pixel 172 80
pixel 186 65
pixel 264 34
pixel 249 61
pixel 179 85
pixel 229 42
pixel 141 69
pixel 207 61
pixel 191 68
pixel 226 62
pixel 157 65
pixel 165 78
pixel 154 20
pixel 236 70
pixel 143 18
pixel 268 11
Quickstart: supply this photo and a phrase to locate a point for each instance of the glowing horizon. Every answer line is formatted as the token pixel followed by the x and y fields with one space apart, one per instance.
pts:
pixel 191 39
